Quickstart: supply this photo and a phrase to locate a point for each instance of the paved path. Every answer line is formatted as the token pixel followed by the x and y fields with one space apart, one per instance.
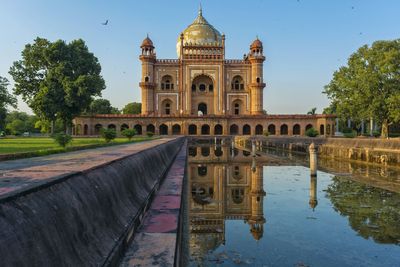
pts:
pixel 156 241
pixel 19 175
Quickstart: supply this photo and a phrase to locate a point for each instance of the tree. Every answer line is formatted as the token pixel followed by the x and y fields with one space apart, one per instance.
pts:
pixel 312 111
pixel 108 134
pixel 57 80
pixel 101 106
pixel 369 86
pixel 132 108
pixel 129 133
pixel 62 139
pixel 6 99
pixel 19 122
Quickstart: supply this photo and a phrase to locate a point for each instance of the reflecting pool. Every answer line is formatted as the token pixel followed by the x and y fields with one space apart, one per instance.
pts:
pixel 266 210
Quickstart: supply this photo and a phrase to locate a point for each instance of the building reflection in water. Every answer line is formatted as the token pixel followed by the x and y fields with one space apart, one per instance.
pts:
pixel 225 184
pixel 313 192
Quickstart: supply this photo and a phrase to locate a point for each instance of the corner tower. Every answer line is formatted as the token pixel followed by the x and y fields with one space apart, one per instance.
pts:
pixel 148 58
pixel 257 85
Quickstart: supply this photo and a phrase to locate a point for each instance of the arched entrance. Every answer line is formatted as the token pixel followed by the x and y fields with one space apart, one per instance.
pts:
pixel 150 128
pixel 166 107
pixel 205 129
pixel 176 129
pixel 112 126
pixel 97 129
pixel 271 129
pixel 321 129
pixel 218 130
pixel 259 129
pixel 309 126
pixel 85 129
pixel 284 129
pixel 138 129
pixel 163 129
pixel 237 107
pixel 296 129
pixel 246 129
pixel 192 129
pixel 234 129
pixel 124 127
pixel 203 108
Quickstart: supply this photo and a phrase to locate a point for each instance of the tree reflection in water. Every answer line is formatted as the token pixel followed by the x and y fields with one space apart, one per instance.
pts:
pixel 371 211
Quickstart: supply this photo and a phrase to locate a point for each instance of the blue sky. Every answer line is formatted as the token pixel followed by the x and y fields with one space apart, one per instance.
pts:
pixel 305 41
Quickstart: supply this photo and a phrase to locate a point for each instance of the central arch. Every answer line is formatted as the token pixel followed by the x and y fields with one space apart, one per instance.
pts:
pixel 202 84
pixel 166 107
pixel 237 107
pixel 203 108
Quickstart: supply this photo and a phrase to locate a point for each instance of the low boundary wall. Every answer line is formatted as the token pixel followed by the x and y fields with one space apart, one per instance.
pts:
pixel 82 219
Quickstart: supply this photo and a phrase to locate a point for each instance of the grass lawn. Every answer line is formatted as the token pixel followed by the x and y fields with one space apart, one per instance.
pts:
pixel 46 144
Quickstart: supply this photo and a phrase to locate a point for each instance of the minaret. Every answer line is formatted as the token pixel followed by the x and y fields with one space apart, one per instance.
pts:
pixel 148 58
pixel 257 85
pixel 257 193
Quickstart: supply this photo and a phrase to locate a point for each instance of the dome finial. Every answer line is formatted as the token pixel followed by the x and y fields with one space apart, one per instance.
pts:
pixel 200 10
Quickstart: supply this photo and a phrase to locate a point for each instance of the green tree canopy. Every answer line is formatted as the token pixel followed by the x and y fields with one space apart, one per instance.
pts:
pixel 6 99
pixel 102 106
pixel 369 86
pixel 57 79
pixel 132 108
pixel 20 122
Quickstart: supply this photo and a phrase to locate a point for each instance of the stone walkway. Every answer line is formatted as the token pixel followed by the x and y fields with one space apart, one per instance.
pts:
pixel 156 241
pixel 23 174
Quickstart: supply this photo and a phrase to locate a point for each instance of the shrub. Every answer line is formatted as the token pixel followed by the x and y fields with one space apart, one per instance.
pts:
pixel 129 133
pixel 376 133
pixel 265 133
pixel 108 134
pixel 312 132
pixel 352 134
pixel 150 134
pixel 347 130
pixel 62 139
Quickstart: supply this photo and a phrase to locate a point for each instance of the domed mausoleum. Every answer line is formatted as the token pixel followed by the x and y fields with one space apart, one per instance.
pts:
pixel 203 93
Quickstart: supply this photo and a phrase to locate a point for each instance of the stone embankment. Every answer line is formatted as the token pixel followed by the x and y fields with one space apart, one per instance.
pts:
pixel 369 150
pixel 79 208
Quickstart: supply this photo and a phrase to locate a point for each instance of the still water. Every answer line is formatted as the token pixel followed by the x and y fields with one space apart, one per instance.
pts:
pixel 267 211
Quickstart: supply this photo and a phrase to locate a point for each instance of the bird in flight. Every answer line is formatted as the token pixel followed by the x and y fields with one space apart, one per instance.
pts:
pixel 105 23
